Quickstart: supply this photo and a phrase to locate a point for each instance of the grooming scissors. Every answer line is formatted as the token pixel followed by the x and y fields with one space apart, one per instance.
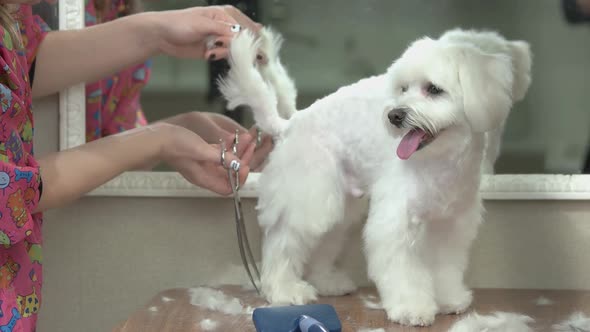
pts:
pixel 233 174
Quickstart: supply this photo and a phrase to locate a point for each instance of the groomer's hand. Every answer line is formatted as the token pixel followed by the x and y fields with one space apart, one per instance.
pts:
pixel 261 152
pixel 200 162
pixel 184 33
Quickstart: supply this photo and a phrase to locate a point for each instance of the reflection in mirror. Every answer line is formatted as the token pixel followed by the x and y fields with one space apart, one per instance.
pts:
pixel 333 43
pixel 48 10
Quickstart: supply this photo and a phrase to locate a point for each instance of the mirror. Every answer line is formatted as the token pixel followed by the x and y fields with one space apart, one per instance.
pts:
pixel 49 11
pixel 546 133
pixel 333 43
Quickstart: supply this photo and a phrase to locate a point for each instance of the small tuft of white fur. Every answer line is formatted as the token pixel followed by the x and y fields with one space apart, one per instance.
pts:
pixel 153 309
pixel 166 299
pixel 497 322
pixel 371 330
pixel 216 300
pixel 543 301
pixel 370 303
pixel 577 322
pixel 244 85
pixel 208 324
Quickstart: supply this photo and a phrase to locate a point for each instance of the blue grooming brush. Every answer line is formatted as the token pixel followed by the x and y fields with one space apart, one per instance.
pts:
pixel 299 318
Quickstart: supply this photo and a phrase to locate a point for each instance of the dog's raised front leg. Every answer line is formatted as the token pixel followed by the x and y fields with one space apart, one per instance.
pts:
pixel 394 248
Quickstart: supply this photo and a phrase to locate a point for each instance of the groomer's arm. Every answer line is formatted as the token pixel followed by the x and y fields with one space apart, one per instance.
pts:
pixel 69 174
pixel 70 57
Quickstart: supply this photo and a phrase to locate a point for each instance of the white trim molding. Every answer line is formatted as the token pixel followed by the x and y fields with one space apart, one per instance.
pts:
pixel 72 101
pixel 164 184
pixel 169 184
pixel 536 187
pixel 493 187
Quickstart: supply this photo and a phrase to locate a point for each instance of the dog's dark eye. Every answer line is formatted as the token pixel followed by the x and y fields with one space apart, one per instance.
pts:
pixel 404 88
pixel 433 89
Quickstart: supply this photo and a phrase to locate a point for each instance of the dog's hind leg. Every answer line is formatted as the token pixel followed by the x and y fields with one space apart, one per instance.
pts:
pixel 288 245
pixel 298 205
pixel 284 254
pixel 394 243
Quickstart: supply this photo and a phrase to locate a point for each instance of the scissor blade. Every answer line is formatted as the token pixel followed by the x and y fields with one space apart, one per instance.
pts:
pixel 240 229
pixel 244 260
pixel 245 234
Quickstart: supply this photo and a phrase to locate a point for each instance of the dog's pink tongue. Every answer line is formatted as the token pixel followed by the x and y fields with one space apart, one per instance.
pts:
pixel 410 143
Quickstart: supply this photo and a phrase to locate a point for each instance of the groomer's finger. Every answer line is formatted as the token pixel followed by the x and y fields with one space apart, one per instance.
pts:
pixel 253 131
pixel 242 18
pixel 215 179
pixel 261 153
pixel 217 54
pixel 218 181
pixel 217 21
pixel 221 42
pixel 244 172
pixel 246 158
pixel 216 27
pixel 212 153
pixel 244 141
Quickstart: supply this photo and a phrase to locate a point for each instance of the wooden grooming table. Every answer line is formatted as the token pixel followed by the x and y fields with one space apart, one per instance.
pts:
pixel 177 314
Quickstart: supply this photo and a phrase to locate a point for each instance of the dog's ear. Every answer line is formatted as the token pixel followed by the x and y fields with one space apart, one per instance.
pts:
pixel 486 82
pixel 522 60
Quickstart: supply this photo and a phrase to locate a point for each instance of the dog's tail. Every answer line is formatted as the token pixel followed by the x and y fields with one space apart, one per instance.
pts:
pixel 245 86
pixel 276 75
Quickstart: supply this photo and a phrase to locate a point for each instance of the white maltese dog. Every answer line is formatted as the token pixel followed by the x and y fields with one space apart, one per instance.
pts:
pixel 414 139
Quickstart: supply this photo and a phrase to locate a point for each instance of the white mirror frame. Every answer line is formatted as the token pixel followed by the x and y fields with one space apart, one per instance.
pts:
pixel 169 184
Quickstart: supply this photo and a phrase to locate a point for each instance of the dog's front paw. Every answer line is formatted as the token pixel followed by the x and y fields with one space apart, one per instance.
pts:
pixel 332 283
pixel 456 303
pixel 412 313
pixel 292 293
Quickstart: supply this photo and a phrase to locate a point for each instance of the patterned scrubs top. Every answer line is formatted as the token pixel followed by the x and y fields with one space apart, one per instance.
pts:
pixel 20 181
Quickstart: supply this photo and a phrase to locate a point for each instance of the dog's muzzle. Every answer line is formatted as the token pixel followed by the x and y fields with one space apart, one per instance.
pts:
pixel 397 116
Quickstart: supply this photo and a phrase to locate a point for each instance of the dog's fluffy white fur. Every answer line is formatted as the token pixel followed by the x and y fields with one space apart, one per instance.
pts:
pixel 436 104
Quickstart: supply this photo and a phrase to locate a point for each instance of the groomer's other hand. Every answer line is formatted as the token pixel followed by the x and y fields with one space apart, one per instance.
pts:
pixel 185 33
pixel 261 152
pixel 200 162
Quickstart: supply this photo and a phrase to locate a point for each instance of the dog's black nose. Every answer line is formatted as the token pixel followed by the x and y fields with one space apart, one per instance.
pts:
pixel 397 116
